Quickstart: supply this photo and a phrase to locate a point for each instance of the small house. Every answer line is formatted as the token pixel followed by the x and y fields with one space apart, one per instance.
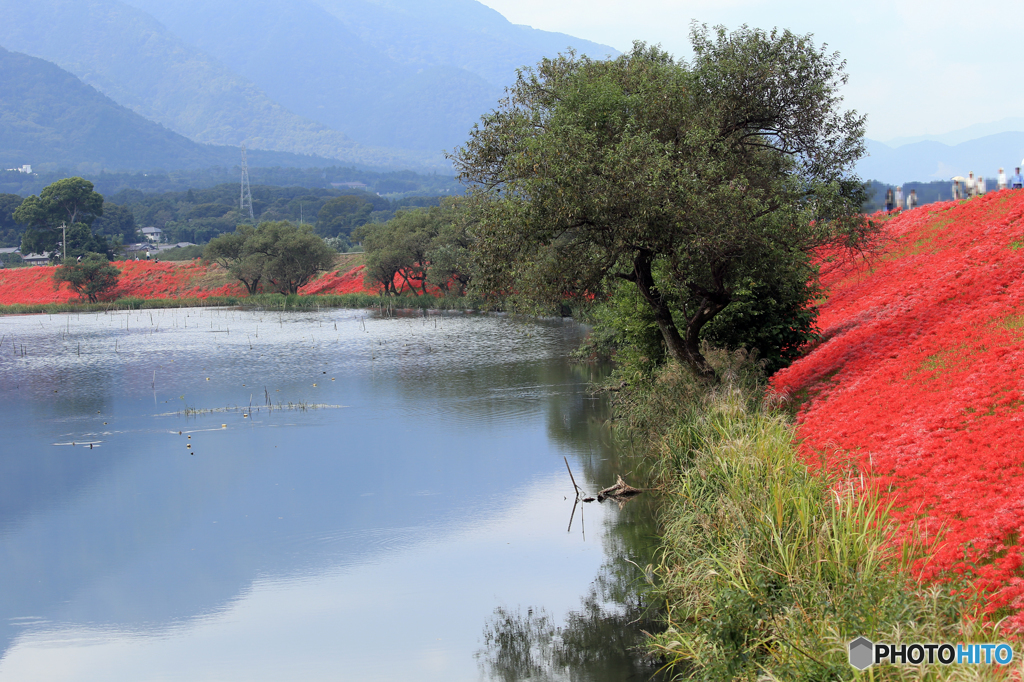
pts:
pixel 153 234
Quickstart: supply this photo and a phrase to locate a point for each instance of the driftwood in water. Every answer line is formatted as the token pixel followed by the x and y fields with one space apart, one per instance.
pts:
pixel 621 490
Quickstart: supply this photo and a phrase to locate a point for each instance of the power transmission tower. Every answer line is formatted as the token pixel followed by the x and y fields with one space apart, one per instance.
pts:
pixel 246 200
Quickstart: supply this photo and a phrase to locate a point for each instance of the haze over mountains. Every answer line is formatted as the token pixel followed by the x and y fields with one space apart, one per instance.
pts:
pixel 381 82
pixel 930 160
pixel 48 117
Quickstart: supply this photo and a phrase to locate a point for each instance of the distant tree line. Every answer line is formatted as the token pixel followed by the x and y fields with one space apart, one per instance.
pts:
pixel 389 184
pixel 199 215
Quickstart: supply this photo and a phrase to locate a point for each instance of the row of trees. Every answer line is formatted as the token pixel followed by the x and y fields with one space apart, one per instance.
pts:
pixel 199 215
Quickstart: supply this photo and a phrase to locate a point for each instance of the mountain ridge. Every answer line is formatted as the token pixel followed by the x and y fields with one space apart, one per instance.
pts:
pixel 388 84
pixel 929 160
pixel 50 118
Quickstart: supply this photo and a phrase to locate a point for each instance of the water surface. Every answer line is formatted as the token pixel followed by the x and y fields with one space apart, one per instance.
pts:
pixel 212 494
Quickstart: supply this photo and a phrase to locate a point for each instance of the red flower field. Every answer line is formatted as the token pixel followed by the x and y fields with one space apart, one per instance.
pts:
pixel 919 386
pixel 149 279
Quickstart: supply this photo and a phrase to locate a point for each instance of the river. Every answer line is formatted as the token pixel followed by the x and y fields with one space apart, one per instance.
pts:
pixel 217 494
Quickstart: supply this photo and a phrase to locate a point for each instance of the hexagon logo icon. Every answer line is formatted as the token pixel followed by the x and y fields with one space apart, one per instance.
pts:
pixel 862 653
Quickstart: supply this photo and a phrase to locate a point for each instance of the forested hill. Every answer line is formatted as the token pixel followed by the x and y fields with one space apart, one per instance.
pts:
pixel 48 117
pixel 370 82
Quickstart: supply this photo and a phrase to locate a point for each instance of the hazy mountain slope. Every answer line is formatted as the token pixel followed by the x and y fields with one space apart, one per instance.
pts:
pixel 129 56
pixel 925 161
pixel 410 75
pixel 307 58
pixel 461 33
pixel 972 132
pixel 50 118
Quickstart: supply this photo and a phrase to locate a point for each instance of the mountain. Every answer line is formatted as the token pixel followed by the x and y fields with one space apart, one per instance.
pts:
pixel 392 73
pixel 133 59
pixel 386 82
pixel 955 137
pixel 49 118
pixel 929 160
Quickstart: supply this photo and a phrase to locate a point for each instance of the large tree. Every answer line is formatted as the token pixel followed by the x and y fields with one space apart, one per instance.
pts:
pixel 69 205
pixel 428 245
pixel 231 251
pixel 294 254
pixel 688 180
pixel 280 253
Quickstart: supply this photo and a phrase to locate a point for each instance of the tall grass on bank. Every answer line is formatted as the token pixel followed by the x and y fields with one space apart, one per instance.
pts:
pixel 767 571
pixel 266 301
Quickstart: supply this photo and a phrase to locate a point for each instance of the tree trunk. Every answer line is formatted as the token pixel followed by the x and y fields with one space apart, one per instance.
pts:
pixel 688 351
pixel 407 283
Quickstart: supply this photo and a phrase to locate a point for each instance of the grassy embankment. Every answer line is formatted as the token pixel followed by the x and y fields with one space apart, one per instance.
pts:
pixel 148 284
pixel 785 540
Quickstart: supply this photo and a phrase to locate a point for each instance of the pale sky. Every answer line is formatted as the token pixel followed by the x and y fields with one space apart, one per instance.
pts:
pixel 916 67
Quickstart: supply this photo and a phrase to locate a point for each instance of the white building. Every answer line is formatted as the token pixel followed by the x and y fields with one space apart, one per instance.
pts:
pixel 153 234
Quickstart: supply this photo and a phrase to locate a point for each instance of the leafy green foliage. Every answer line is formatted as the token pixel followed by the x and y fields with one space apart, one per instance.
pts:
pixel 231 250
pixel 421 246
pixel 340 215
pixel 690 181
pixel 63 210
pixel 10 230
pixel 91 276
pixel 775 318
pixel 624 329
pixel 116 221
pixel 294 254
pixel 280 253
pixel 70 201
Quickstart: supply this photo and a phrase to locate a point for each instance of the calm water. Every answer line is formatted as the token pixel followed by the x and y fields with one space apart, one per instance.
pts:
pixel 401 512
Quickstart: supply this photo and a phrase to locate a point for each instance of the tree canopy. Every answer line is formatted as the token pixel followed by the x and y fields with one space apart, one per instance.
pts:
pixel 91 276
pixel 688 180
pixel 10 230
pixel 424 245
pixel 70 202
pixel 280 253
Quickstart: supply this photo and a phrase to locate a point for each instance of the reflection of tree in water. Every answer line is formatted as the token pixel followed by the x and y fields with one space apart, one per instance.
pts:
pixel 602 640
pixel 599 642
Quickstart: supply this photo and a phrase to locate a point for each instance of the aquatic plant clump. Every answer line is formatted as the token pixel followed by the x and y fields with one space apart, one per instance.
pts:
pixel 917 389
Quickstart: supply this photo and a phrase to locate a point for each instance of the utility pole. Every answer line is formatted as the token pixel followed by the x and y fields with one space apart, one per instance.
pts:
pixel 246 200
pixel 64 242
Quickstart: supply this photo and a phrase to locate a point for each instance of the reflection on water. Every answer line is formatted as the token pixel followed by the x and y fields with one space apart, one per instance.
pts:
pixel 200 538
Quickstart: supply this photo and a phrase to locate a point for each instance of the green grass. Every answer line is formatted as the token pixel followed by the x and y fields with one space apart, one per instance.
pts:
pixel 767 571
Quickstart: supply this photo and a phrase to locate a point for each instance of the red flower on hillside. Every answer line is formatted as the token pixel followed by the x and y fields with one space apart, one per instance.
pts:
pixel 919 384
